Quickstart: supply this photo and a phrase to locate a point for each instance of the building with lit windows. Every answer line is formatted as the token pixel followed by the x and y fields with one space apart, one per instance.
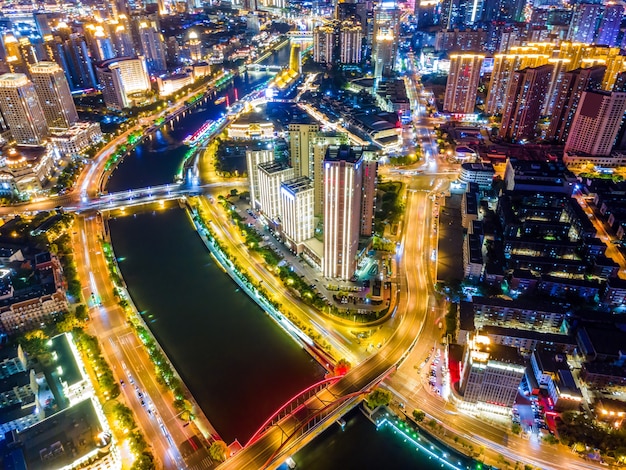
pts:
pixel 350 42
pixel 152 43
pixel 323 44
pixel 299 148
pixel 490 374
pixel 504 65
pixel 568 96
pixel 319 142
pixel 525 98
pixel 297 220
pixel 76 139
pixel 21 109
pixel 122 79
pixel 610 24
pixel 584 25
pixel 385 34
pixel 54 95
pixel 270 176
pixel 343 176
pixel 595 124
pixel 254 157
pixel 462 84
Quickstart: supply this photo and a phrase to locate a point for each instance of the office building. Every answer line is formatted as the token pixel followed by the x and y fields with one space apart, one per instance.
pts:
pixel 524 101
pixel 568 96
pixel 271 175
pixel 21 109
pixel 54 95
pixel 596 123
pixel 299 148
pixel 385 38
pixel 254 157
pixel 342 211
pixel 491 374
pixel 462 85
pixel 122 78
pixel 122 40
pixel 297 221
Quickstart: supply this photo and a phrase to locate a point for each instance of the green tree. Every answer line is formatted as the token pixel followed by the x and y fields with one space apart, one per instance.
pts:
pixel 218 451
pixel 144 461
pixel 419 415
pixel 516 428
pixel 123 417
pixel 378 397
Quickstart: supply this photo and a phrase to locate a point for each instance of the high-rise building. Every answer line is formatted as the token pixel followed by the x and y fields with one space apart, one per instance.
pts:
pixel 299 148
pixel 254 157
pixel 368 199
pixel 296 197
pixel 194 46
pixel 462 83
pixel 350 42
pixel 385 38
pixel 21 109
pixel 596 123
pixel 610 24
pixel 584 23
pixel 524 101
pixel 491 374
pixel 121 78
pixel 319 142
pixel 343 169
pixel 152 44
pixel 324 38
pixel 54 95
pixel 271 175
pixel 503 67
pixel 122 40
pixel 79 63
pixel 568 96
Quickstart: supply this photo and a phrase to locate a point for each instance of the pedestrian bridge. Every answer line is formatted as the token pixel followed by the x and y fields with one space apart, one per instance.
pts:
pixel 263 68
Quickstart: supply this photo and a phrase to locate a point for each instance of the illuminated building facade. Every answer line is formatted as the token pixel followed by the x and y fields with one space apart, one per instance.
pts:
pixel 271 175
pixel 299 148
pixel 319 142
pixel 491 374
pixel 343 183
pixel 596 123
pixel 254 157
pixel 572 86
pixel 54 95
pixel 524 101
pixel 296 199
pixel 462 84
pixel 21 109
pixel 121 78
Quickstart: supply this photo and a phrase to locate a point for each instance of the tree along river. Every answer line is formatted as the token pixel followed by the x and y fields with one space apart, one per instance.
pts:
pixel 237 363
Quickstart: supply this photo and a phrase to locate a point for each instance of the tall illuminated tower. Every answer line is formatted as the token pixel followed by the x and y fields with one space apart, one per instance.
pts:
pixel 342 211
pixel 568 97
pixel 54 95
pixel 299 148
pixel 21 109
pixel 524 101
pixel 385 38
pixel 596 122
pixel 462 83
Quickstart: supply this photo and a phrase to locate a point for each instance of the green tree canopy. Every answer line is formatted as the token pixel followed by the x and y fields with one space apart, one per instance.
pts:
pixel 218 451
pixel 378 397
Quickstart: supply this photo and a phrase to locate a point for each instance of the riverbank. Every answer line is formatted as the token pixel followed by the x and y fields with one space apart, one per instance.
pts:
pixel 147 338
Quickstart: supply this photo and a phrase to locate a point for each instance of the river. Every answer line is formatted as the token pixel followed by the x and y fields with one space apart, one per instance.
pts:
pixel 237 363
